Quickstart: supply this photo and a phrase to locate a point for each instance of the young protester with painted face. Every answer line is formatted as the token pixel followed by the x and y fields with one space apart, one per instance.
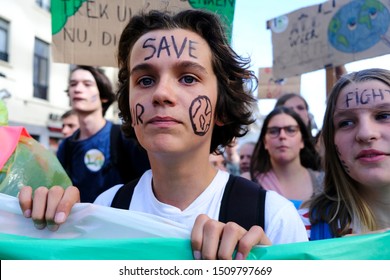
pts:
pixel 96 156
pixel 356 137
pixel 182 89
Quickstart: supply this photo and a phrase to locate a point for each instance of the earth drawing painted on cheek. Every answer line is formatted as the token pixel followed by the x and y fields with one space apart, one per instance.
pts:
pixel 200 115
pixel 359 25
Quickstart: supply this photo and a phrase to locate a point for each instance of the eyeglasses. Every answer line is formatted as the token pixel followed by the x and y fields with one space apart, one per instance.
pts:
pixel 290 130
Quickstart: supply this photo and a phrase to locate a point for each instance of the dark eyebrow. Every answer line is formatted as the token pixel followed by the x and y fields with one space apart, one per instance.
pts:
pixel 83 80
pixel 141 67
pixel 191 64
pixel 341 113
pixel 181 64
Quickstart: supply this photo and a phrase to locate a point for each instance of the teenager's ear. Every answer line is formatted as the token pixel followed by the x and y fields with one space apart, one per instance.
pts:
pixel 219 123
pixel 104 100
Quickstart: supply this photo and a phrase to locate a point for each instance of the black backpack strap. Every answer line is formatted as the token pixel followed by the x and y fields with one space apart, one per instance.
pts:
pixel 127 156
pixel 243 202
pixel 67 152
pixel 122 198
pixel 115 143
pixel 120 156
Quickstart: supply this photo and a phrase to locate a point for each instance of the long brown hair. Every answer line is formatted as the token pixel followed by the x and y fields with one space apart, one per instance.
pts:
pixel 341 203
pixel 261 161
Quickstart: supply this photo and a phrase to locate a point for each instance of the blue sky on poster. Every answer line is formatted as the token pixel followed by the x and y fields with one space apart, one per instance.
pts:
pixel 251 38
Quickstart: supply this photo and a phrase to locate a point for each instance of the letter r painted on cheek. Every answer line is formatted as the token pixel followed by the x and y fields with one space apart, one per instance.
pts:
pixel 200 115
pixel 136 114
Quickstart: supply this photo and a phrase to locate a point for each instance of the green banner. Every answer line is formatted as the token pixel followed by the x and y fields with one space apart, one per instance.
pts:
pixel 362 247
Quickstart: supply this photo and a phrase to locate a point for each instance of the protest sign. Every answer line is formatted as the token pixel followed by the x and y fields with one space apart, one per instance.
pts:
pixel 270 87
pixel 87 32
pixel 329 34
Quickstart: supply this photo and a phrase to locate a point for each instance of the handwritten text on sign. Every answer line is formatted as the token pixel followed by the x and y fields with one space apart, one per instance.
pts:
pixel 87 32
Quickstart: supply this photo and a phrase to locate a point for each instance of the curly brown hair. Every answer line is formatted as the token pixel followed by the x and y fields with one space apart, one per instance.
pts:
pixel 341 204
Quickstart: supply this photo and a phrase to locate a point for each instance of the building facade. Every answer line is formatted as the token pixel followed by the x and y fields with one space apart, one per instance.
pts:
pixel 32 85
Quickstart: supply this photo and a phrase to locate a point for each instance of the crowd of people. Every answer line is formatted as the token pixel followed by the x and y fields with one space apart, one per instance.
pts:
pixel 183 111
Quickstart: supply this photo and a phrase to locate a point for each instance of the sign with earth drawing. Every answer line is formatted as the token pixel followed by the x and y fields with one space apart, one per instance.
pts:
pixel 87 32
pixel 329 34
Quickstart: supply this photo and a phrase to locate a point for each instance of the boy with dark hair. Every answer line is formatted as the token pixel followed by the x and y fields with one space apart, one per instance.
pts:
pixel 97 156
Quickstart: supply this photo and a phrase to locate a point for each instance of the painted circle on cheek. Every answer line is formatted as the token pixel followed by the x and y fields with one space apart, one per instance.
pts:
pixel 200 115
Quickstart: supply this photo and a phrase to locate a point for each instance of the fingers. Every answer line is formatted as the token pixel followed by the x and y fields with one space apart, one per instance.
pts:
pixel 211 239
pixel 59 205
pixel 232 235
pixel 70 198
pixel 197 235
pixel 255 236
pixel 25 200
pixel 48 207
pixel 207 238
pixel 39 207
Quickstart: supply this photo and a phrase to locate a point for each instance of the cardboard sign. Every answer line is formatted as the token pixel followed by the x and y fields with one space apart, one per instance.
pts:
pixel 87 32
pixel 270 87
pixel 329 34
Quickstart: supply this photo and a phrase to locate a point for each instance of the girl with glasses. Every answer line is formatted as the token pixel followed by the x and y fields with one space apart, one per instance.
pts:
pixel 284 159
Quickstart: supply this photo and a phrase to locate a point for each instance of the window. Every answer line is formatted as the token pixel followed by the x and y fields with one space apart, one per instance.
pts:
pixel 35 136
pixel 44 4
pixel 4 26
pixel 41 69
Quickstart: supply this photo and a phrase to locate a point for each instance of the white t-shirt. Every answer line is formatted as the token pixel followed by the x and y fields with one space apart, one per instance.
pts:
pixel 281 220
